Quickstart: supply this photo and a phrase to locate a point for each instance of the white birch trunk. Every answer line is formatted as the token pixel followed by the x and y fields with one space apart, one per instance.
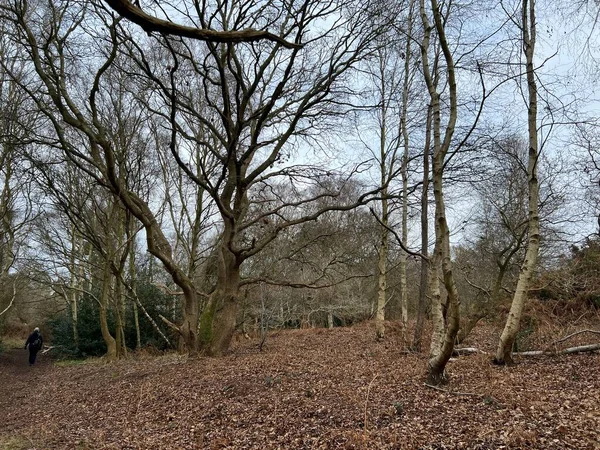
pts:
pixel 528 267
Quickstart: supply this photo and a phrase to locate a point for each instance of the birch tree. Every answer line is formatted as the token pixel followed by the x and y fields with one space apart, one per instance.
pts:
pixel 440 353
pixel 528 267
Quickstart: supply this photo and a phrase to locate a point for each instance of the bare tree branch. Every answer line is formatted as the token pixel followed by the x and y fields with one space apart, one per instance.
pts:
pixel 399 239
pixel 150 23
pixel 12 301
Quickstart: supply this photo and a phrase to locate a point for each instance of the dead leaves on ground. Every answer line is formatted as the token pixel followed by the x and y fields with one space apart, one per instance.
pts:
pixel 308 390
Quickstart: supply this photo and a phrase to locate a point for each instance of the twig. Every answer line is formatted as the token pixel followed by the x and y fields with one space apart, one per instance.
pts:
pixel 446 391
pixel 367 401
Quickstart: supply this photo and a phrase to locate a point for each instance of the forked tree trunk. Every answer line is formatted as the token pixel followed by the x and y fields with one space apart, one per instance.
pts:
pixel 437 363
pixel 528 267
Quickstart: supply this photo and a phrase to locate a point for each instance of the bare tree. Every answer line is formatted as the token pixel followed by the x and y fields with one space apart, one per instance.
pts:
pixel 17 196
pixel 528 30
pixel 441 147
pixel 265 99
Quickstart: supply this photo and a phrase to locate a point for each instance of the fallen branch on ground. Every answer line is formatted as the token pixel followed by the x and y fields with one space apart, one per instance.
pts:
pixel 466 351
pixel 367 401
pixel 566 351
pixel 573 335
pixel 47 349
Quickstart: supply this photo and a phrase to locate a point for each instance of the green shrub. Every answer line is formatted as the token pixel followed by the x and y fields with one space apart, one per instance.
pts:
pixel 91 342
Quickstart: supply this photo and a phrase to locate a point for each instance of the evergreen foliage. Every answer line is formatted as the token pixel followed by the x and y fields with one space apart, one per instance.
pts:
pixel 90 335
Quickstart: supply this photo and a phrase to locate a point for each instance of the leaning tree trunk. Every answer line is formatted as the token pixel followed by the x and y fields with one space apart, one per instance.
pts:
pixel 73 294
pixel 133 286
pixel 528 267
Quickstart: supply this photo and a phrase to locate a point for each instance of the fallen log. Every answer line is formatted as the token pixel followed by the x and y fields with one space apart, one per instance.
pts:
pixel 47 349
pixel 566 351
pixel 465 351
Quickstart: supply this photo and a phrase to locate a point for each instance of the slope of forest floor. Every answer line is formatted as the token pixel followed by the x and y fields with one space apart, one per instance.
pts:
pixel 307 389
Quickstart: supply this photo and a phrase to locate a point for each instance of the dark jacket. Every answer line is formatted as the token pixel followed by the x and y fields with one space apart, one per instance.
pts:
pixel 31 339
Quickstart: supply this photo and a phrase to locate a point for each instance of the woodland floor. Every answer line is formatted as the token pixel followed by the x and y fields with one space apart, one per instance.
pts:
pixel 308 389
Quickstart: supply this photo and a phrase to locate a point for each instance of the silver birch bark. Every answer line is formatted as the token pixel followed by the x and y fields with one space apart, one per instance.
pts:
pixel 528 267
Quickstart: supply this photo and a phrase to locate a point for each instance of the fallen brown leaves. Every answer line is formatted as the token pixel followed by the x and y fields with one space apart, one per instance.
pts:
pixel 307 390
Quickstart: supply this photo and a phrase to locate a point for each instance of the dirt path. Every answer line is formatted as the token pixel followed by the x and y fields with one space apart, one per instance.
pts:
pixel 18 384
pixel 14 362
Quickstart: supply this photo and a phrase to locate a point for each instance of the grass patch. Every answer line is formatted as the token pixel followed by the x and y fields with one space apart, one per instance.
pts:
pixel 71 362
pixel 12 343
pixel 14 443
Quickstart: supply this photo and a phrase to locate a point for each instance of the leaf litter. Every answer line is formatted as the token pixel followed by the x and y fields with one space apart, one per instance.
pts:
pixel 308 389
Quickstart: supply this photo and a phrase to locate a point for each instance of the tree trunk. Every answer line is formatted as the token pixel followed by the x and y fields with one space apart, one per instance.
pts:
pixel 528 267
pixel 73 294
pixel 423 287
pixel 437 316
pixel 217 321
pixel 468 326
pixel 111 345
pixel 404 171
pixel 382 271
pixel 437 363
pixel 133 289
pixel 384 242
pixel 120 320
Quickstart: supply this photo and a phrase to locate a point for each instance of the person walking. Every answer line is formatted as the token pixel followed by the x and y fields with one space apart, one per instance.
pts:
pixel 35 341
